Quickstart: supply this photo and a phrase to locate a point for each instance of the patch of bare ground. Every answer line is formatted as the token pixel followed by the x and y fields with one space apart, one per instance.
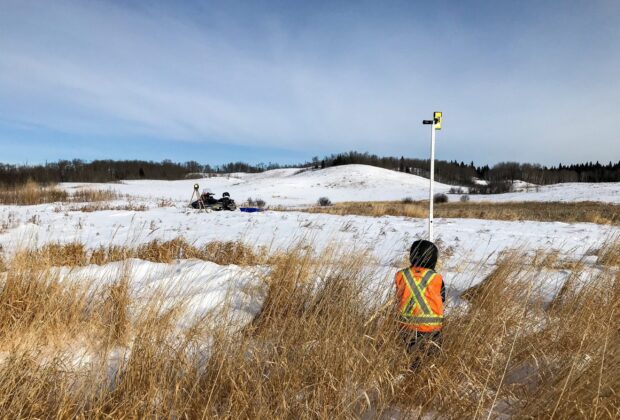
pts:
pixel 324 345
pixel 589 212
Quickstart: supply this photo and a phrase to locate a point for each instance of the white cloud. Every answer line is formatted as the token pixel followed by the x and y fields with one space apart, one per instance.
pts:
pixel 330 84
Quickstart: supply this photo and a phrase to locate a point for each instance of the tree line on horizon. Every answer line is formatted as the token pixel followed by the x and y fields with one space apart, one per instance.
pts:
pixel 78 170
pixel 500 176
pixel 461 173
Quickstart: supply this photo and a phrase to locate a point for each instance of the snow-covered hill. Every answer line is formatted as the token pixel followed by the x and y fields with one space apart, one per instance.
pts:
pixel 292 186
pixel 296 187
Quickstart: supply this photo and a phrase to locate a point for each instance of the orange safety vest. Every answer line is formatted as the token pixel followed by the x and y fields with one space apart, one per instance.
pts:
pixel 420 307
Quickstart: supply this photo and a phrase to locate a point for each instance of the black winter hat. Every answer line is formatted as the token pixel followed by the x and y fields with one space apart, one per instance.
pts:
pixel 423 254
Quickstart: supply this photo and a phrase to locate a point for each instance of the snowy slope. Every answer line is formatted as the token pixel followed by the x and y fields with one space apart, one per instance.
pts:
pixel 295 187
pixel 290 186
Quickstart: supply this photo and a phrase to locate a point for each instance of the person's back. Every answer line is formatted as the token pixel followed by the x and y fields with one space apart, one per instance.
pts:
pixel 420 295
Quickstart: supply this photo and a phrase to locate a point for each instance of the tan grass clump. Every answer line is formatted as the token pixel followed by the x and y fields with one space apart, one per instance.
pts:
pixel 111 253
pixel 223 253
pixel 33 303
pixel 167 251
pixel 233 252
pixel 91 195
pixel 71 254
pixel 99 206
pixel 32 193
pixel 609 255
pixel 75 254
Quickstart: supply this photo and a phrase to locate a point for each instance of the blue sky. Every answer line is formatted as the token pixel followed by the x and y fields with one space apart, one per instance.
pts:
pixel 534 81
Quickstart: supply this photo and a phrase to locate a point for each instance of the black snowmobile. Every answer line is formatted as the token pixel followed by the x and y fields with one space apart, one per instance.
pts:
pixel 207 200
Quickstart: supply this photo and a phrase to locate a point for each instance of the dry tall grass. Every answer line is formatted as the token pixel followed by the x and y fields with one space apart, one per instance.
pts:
pixel 102 206
pixel 609 254
pixel 32 193
pixel 94 195
pixel 592 212
pixel 323 346
pixel 75 254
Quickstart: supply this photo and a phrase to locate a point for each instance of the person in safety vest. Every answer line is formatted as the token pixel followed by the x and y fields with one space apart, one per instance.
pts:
pixel 420 296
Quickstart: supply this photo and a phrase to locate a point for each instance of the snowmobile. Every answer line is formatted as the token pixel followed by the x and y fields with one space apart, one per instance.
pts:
pixel 207 200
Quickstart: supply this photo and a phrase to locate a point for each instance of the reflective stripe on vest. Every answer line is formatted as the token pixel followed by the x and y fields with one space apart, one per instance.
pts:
pixel 416 291
pixel 432 320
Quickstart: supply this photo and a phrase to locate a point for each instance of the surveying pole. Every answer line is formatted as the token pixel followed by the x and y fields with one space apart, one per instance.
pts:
pixel 435 124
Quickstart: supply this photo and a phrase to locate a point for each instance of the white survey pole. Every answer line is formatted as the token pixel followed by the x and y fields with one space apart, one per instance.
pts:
pixel 435 124
pixel 432 178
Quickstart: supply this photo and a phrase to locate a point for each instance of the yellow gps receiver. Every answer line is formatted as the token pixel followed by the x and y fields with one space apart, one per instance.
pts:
pixel 437 120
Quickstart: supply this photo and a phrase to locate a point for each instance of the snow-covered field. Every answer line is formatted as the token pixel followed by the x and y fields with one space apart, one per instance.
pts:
pixel 295 187
pixel 469 247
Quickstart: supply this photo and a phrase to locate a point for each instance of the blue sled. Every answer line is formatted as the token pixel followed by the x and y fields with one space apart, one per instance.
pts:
pixel 250 209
